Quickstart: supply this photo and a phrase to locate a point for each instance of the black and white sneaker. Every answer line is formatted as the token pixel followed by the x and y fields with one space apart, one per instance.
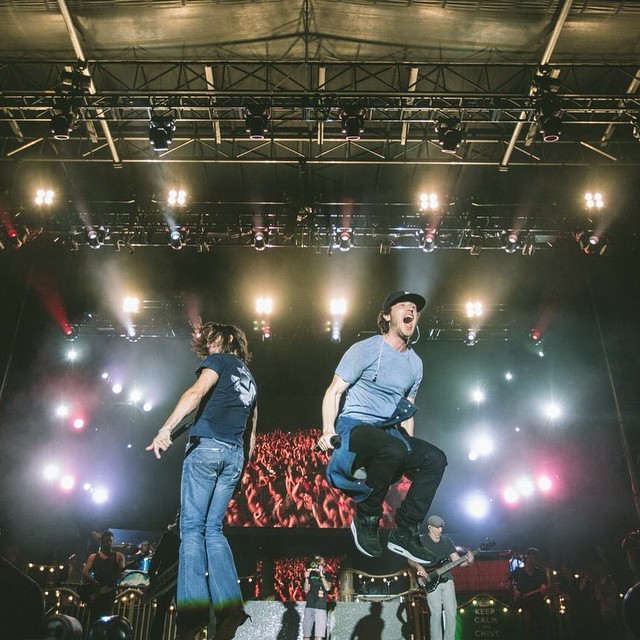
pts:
pixel 406 542
pixel 365 535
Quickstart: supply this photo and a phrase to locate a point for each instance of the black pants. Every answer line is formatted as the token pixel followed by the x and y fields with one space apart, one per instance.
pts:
pixel 386 459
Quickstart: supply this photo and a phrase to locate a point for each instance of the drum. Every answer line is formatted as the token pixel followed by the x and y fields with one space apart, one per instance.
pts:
pixel 134 578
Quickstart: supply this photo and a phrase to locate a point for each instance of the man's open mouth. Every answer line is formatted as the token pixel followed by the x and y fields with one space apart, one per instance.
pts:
pixel 407 319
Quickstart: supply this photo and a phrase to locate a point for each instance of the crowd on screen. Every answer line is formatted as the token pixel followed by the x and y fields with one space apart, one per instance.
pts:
pixel 284 485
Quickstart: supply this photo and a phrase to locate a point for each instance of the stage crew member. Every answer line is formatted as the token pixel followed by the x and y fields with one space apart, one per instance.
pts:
pixel 379 377
pixel 224 396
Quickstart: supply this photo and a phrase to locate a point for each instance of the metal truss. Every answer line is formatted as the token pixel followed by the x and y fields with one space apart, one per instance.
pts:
pixel 400 104
pixel 383 228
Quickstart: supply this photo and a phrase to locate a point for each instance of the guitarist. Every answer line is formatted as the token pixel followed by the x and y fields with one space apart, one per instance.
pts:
pixel 530 584
pixel 101 573
pixel 442 599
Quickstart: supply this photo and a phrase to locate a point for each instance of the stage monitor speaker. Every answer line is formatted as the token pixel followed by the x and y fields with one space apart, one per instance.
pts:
pixel 60 626
pixel 22 604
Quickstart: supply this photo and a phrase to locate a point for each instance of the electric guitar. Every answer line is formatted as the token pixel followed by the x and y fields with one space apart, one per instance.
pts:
pixel 434 574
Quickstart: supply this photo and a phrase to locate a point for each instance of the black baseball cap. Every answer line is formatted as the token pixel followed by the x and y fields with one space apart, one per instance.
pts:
pixel 402 296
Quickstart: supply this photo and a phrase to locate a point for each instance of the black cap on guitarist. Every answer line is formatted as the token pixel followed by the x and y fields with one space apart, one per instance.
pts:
pixel 101 573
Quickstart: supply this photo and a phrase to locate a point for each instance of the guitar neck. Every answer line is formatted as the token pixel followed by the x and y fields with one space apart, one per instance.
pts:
pixel 454 563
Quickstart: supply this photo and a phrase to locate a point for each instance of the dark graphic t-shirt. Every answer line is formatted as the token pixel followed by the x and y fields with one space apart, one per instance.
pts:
pixel 223 412
pixel 317 596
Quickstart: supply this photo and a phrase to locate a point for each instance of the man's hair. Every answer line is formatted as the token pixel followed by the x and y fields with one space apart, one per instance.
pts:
pixel 382 322
pixel 106 533
pixel 233 340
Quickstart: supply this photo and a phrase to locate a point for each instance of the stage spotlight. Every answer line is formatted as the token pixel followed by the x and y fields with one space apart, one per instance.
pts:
pixel 116 388
pixel 67 482
pixel 18 235
pixel 477 395
pixel 536 336
pixel 99 495
pixel 177 237
pixel 266 333
pixel 525 487
pixel 591 242
pixel 483 444
pixel 428 201
pixel 51 472
pixel 544 483
pixel 476 505
pixel 336 335
pixel 549 116
pixel 352 119
pixel 257 121
pixel 473 309
pixel 449 134
pixel 131 305
pixel 429 240
pixel 71 332
pixel 345 240
pixel 44 197
pixel 62 122
pixel 161 130
pixel 264 306
pixel 260 239
pixel 147 406
pixel 593 200
pixel 72 355
pixel 62 411
pixel 177 197
pixel 338 307
pixel 96 236
pixel 471 337
pixel 132 334
pixel 111 628
pixel 78 424
pixel 510 496
pixel 552 410
pixel 510 241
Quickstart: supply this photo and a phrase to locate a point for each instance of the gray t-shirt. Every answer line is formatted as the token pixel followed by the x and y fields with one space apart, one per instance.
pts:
pixel 379 377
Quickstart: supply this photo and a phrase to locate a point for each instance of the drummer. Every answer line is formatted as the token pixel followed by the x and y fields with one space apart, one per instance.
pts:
pixel 143 555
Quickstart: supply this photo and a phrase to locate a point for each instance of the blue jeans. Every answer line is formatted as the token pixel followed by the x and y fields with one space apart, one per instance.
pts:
pixel 209 474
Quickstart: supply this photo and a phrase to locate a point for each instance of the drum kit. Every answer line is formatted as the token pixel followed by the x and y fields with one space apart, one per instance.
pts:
pixel 138 556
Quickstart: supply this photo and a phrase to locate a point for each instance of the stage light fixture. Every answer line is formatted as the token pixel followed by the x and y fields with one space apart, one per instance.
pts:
pixel 536 336
pixel 132 334
pixel 429 240
pixel 449 134
pixel 471 337
pixel 338 306
pixel 345 240
pixel 70 332
pixel 17 235
pixel 549 116
pixel 473 309
pixel 336 335
pixel 44 197
pixel 96 236
pixel 63 122
pixel 593 200
pixel 429 201
pixel 510 241
pixel 260 239
pixel 264 306
pixel 161 130
pixel 592 243
pixel 257 121
pixel 177 236
pixel 266 333
pixel 177 197
pixel 352 119
pixel 131 304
